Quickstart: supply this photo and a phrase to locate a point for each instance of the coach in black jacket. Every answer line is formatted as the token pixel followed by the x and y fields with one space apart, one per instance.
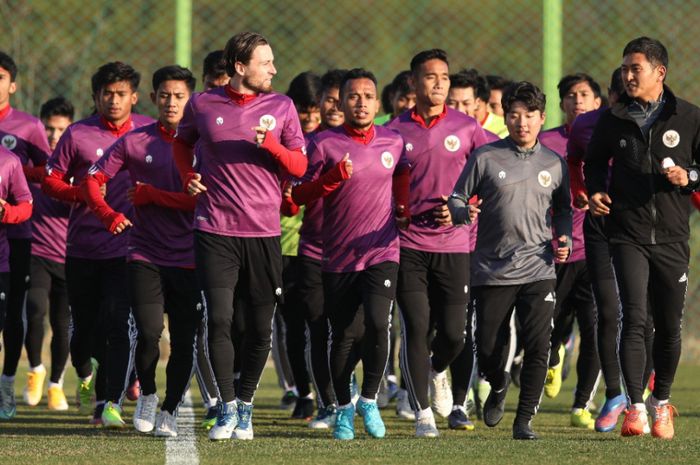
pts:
pixel 653 139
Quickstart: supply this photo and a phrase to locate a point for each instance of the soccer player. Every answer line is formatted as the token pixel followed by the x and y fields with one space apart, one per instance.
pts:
pixel 360 243
pixel 650 136
pixel 161 258
pixel 47 284
pixel 250 139
pixel 524 188
pixel 497 85
pixel 433 285
pixel 23 135
pixel 578 94
pixel 95 257
pixel 214 70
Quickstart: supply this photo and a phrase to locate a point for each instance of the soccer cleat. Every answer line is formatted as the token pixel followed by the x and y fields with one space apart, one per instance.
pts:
pixel 304 409
pixel 374 426
pixel 403 406
pixel 35 386
pixel 440 393
pixel 636 422
pixel 607 419
pixel 495 404
pixel 552 384
pixel 133 392
pixel 145 414
pixel 244 429
pixel 425 427
pixel 582 418
pixel 523 430
pixel 8 404
pixel 325 418
pixel 663 421
pixel 289 399
pixel 210 418
pixel 57 398
pixel 166 425
pixel 459 420
pixel 96 418
pixel 345 423
pixel 112 416
pixel 86 391
pixel 226 421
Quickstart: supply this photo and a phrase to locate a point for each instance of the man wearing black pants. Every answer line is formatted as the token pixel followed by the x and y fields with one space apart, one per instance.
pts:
pixel 513 263
pixel 651 136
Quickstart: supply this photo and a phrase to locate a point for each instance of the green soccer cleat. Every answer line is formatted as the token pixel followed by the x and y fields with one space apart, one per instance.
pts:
pixel 582 418
pixel 112 416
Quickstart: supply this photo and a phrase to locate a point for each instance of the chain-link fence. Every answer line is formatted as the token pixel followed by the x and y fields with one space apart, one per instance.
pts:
pixel 58 44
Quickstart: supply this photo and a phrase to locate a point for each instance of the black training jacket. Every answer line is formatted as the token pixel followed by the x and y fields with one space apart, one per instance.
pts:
pixel 646 208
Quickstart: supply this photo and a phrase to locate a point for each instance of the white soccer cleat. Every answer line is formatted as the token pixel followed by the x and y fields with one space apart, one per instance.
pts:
pixel 440 393
pixel 425 427
pixel 166 425
pixel 145 414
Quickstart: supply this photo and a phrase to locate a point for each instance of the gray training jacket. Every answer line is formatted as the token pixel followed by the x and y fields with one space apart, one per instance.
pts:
pixel 524 193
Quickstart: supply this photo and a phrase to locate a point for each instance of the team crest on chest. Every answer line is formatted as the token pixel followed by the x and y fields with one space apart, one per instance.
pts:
pixel 149 159
pixel 387 160
pixel 409 147
pixel 544 177
pixel 99 152
pixel 9 141
pixel 501 174
pixel 219 121
pixel 452 143
pixel 671 138
pixel 268 122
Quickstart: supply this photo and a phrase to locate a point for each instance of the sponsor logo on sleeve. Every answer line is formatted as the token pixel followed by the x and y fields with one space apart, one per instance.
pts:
pixel 149 159
pixel 99 152
pixel 219 121
pixel 501 174
pixel 623 143
pixel 409 147
pixel 387 160
pixel 9 141
pixel 544 177
pixel 671 138
pixel 268 122
pixel 452 143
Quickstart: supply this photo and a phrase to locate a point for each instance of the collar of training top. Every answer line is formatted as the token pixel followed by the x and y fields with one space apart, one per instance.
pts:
pixel 358 135
pixel 5 111
pixel 238 97
pixel 419 119
pixel 117 131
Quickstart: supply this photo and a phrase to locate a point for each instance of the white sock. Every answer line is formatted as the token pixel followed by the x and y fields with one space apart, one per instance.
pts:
pixel 641 407
pixel 88 378
pixel 657 403
pixel 459 407
pixel 343 407
pixel 424 414
pixel 241 402
pixel 368 401
pixel 309 396
pixel 39 368
pixel 54 385
pixel 233 403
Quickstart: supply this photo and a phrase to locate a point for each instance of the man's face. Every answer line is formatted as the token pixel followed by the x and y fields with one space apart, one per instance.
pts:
pixel 7 87
pixel 462 99
pixel 55 126
pixel 171 98
pixel 331 116
pixel 432 83
pixel 579 99
pixel 524 125
pixel 114 101
pixel 212 82
pixel 403 102
pixel 643 81
pixel 495 106
pixel 258 73
pixel 310 119
pixel 360 103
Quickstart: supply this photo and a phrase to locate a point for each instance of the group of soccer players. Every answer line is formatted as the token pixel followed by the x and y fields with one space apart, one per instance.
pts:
pixel 239 207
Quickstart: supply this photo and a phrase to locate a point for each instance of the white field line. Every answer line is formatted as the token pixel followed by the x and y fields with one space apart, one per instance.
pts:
pixel 182 450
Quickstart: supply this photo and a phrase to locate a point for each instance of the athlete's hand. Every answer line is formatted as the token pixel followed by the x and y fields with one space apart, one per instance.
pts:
pixel 581 201
pixel 599 204
pixel 260 132
pixel 121 226
pixel 677 176
pixel 346 166
pixel 195 186
pixel 562 252
pixel 103 189
pixel 474 210
pixel 442 214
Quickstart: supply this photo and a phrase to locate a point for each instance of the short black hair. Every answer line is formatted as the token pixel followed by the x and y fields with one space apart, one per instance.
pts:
pixel 214 65
pixel 426 55
pixel 617 85
pixel 401 84
pixel 498 82
pixel 115 71
pixel 9 64
pixel 652 49
pixel 570 80
pixel 462 80
pixel 356 73
pixel 482 90
pixel 305 90
pixel 386 98
pixel 57 106
pixel 332 79
pixel 240 48
pixel 526 93
pixel 174 73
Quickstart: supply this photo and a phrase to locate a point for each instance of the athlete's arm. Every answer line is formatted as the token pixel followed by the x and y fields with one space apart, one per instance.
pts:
pixel 143 194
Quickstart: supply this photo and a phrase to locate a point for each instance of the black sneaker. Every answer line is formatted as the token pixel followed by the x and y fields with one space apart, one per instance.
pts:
pixel 304 409
pixel 523 430
pixel 458 419
pixel 289 399
pixel 495 404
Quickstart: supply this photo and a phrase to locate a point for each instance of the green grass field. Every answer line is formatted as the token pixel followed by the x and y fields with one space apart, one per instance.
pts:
pixel 38 437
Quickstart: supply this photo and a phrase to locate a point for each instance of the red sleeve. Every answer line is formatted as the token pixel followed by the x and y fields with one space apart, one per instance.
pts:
pixel 34 173
pixel 55 186
pixel 576 176
pixel 309 191
pixel 183 154
pixel 288 207
pixel 90 189
pixel 695 198
pixel 145 194
pixel 293 162
pixel 400 188
pixel 13 214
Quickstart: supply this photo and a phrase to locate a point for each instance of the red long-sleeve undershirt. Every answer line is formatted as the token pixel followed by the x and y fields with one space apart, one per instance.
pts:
pixel 90 189
pixel 56 186
pixel 15 214
pixel 145 194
